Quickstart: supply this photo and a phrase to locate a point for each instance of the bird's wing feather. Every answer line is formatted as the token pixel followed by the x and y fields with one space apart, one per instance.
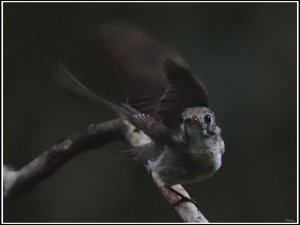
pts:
pixel 144 122
pixel 138 60
pixel 157 79
pixel 184 91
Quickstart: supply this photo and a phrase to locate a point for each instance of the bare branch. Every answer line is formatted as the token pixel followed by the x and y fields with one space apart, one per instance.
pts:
pixel 18 182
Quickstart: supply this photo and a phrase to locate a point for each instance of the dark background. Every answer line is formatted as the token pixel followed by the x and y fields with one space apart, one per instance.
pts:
pixel 244 53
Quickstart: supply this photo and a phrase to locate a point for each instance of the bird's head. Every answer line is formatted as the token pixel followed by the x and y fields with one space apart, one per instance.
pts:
pixel 199 121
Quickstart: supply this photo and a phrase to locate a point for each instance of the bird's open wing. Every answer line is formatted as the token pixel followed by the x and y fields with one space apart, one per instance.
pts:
pixel 158 81
pixel 155 129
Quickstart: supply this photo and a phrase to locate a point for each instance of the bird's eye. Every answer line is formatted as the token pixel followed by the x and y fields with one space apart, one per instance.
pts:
pixel 207 118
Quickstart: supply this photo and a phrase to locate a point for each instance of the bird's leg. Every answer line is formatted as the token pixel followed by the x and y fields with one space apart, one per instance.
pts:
pixel 183 198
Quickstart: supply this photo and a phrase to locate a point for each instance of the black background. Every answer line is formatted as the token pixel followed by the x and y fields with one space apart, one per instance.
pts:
pixel 244 53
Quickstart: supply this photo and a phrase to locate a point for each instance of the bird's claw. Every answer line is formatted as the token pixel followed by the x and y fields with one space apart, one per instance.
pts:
pixel 183 198
pixel 186 199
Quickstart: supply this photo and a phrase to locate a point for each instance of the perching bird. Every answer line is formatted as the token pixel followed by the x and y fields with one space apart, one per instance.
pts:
pixel 166 103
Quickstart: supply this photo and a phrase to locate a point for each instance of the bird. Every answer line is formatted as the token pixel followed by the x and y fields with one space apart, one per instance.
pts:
pixel 174 133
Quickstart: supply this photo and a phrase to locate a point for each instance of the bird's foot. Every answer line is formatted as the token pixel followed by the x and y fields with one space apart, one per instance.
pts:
pixel 183 198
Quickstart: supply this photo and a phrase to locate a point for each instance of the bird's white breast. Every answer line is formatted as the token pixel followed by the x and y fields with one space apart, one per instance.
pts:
pixel 208 150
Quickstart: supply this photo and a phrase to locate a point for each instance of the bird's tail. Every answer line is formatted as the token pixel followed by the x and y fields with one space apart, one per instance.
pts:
pixel 71 84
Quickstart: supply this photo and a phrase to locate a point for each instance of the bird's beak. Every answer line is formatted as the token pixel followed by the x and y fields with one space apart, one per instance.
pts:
pixel 194 123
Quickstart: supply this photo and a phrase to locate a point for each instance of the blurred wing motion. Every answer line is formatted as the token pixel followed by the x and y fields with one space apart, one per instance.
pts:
pixel 144 122
pixel 158 81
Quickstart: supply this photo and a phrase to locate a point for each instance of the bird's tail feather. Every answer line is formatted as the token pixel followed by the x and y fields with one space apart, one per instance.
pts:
pixel 71 84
